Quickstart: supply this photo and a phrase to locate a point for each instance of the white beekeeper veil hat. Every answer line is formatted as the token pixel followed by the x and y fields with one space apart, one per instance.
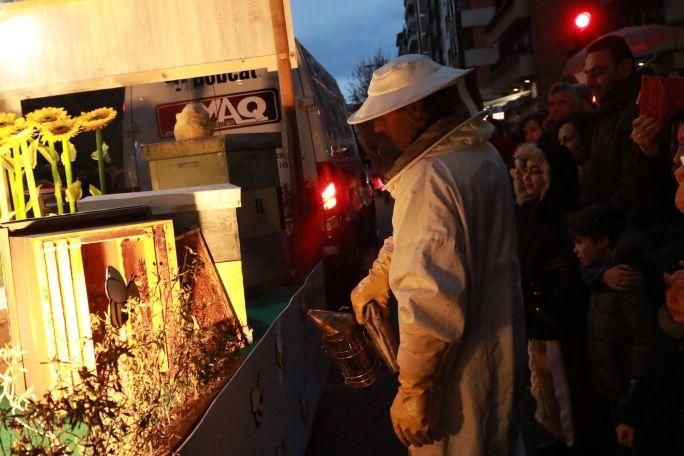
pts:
pixel 406 79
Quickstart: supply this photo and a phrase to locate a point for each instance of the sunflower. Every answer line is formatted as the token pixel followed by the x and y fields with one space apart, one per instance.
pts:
pixel 59 130
pixel 6 123
pixel 21 131
pixel 45 115
pixel 97 119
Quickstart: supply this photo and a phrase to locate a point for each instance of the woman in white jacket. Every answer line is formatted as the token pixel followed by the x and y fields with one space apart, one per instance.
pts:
pixel 451 263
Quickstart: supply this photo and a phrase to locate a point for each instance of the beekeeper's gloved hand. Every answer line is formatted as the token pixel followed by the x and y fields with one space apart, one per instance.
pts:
pixel 415 411
pixel 375 286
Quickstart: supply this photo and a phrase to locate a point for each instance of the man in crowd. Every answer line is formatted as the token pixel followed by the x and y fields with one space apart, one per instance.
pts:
pixel 562 101
pixel 619 171
pixel 451 262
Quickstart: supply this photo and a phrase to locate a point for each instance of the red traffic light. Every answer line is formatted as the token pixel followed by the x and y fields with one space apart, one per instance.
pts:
pixel 582 20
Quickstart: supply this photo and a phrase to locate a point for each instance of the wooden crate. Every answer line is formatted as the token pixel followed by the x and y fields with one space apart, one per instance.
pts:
pixel 55 279
pixel 188 163
pixel 245 160
pixel 212 208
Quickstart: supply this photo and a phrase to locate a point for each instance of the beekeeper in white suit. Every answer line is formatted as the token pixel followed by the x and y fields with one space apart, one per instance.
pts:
pixel 451 262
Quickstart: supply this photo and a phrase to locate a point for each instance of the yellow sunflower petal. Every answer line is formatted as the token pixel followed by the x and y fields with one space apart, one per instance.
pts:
pixel 59 130
pixel 46 115
pixel 21 131
pixel 7 119
pixel 98 118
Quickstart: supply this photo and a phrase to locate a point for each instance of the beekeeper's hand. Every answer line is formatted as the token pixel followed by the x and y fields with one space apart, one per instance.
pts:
pixel 375 286
pixel 416 410
pixel 409 414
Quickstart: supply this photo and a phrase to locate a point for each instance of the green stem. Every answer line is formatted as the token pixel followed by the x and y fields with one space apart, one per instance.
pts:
pixel 13 191
pixel 30 179
pixel 56 179
pixel 20 207
pixel 66 161
pixel 100 161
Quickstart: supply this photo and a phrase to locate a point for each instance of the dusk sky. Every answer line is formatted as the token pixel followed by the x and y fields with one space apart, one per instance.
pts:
pixel 340 33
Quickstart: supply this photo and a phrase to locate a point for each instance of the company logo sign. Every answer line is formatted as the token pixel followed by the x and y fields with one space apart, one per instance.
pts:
pixel 227 112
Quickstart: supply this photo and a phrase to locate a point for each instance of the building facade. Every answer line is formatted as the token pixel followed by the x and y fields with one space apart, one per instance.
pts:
pixel 520 47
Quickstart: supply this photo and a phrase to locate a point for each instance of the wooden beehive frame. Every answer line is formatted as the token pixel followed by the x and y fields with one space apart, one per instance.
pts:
pixel 48 298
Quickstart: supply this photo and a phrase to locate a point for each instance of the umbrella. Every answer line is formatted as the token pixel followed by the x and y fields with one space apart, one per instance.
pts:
pixel 642 39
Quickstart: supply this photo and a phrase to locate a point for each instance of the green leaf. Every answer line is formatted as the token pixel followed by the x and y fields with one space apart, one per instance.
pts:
pixel 72 154
pixel 74 192
pixel 34 153
pixel 94 190
pixel 105 154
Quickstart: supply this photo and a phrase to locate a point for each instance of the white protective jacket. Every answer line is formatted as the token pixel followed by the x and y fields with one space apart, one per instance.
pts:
pixel 455 274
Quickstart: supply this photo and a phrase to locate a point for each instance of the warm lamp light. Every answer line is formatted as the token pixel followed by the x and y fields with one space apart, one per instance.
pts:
pixel 22 40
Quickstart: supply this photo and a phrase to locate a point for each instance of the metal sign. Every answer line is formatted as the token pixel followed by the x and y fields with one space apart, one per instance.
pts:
pixel 227 112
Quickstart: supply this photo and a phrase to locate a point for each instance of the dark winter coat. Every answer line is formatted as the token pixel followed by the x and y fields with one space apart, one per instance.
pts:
pixel 620 334
pixel 553 292
pixel 618 172
pixel 655 406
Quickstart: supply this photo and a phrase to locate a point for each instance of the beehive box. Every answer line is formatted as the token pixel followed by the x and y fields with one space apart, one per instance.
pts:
pixel 54 271
pixel 188 163
pixel 248 161
pixel 212 208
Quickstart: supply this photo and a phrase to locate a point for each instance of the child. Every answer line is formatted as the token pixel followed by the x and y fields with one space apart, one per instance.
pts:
pixel 545 184
pixel 620 324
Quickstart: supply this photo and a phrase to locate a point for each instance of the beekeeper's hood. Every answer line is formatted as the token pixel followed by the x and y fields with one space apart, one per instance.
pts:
pixel 399 83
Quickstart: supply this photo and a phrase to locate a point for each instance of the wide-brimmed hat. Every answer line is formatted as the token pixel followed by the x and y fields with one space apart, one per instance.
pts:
pixel 402 81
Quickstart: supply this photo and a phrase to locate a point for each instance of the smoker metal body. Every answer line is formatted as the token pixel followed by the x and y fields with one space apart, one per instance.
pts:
pixel 349 346
pixel 354 356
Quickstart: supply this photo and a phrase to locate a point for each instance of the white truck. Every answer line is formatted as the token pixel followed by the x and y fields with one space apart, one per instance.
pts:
pixel 335 201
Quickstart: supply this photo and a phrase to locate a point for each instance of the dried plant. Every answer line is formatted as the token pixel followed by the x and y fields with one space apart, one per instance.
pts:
pixel 146 382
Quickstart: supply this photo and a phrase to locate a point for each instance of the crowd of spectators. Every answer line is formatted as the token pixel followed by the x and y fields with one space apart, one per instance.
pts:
pixel 601 244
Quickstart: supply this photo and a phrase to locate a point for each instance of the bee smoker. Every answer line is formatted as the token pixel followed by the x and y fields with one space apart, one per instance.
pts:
pixel 349 346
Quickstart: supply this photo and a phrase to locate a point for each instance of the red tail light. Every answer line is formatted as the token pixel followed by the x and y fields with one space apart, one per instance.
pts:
pixel 328 196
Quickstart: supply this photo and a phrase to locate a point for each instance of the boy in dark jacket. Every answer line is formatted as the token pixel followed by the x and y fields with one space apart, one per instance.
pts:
pixel 620 324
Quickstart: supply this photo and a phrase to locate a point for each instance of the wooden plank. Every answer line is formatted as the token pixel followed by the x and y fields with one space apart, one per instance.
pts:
pixel 10 296
pixel 94 44
pixel 211 303
pixel 76 221
pixel 59 300
pixel 85 332
pixel 188 147
pixel 69 302
pixel 35 314
pixel 231 276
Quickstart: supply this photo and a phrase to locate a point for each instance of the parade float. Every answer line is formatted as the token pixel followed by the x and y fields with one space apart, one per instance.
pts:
pixel 171 319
